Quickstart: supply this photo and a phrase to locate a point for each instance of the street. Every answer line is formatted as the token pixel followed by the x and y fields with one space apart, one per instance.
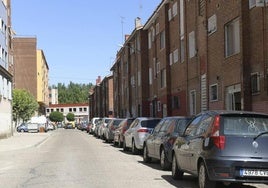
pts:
pixel 72 158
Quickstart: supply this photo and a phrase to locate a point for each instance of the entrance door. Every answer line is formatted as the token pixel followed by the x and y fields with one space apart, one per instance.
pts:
pixel 233 97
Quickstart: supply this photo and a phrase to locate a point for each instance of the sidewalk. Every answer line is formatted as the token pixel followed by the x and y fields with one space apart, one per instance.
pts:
pixel 23 140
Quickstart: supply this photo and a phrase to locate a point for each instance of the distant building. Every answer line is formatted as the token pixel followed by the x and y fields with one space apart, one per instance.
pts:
pixel 53 96
pixel 80 110
pixel 6 128
pixel 31 70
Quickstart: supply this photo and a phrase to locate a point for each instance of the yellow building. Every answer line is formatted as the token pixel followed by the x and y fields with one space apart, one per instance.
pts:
pixel 42 80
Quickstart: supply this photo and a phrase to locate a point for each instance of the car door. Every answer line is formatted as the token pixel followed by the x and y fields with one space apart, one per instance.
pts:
pixel 150 142
pixel 129 133
pixel 182 144
pixel 159 138
pixel 196 142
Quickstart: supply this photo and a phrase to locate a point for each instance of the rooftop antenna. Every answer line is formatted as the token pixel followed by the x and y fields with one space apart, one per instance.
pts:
pixel 122 25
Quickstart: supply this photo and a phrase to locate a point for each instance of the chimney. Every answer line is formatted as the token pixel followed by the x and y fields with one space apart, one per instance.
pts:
pixel 138 24
pixel 98 80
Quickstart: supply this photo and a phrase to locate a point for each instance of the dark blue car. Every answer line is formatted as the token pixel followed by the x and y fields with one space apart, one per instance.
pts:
pixel 22 128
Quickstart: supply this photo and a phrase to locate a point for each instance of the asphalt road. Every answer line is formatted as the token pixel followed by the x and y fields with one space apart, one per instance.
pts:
pixel 71 158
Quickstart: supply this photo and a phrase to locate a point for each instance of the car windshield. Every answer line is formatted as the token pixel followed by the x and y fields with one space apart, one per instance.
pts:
pixel 151 123
pixel 245 125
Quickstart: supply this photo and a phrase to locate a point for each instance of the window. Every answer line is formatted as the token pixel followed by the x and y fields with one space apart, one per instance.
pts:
pixel 162 40
pixel 232 38
pixel 182 50
pixel 163 78
pixel 192 49
pixel 85 109
pixel 80 109
pixel 169 14
pixel 212 24
pixel 157 29
pixel 214 92
pixel 252 3
pixel 255 83
pixel 175 9
pixel 149 40
pixel 158 106
pixel 74 109
pixel 192 102
pixel 175 102
pixel 150 76
pixel 176 56
pixel 170 59
pixel 70 110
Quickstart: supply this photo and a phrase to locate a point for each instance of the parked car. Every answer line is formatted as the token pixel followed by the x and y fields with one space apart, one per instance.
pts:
pixel 159 144
pixel 138 131
pixel 109 130
pixel 82 126
pixel 33 127
pixel 223 146
pixel 92 124
pixel 22 128
pixel 102 126
pixel 119 132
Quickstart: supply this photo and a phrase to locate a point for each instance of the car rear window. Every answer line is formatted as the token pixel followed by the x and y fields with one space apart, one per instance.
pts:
pixel 245 125
pixel 150 123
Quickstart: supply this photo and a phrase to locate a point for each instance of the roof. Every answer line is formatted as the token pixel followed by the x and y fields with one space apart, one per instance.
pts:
pixel 67 105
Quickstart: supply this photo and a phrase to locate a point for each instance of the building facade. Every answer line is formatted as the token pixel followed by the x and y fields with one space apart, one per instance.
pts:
pixel 31 70
pixel 6 63
pixel 80 111
pixel 200 55
pixel 53 96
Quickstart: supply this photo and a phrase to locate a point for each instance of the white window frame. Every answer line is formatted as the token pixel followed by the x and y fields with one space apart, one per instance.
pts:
pixel 157 29
pixel 192 47
pixel 192 101
pixel 163 78
pixel 212 24
pixel 159 106
pixel 212 94
pixel 176 56
pixel 162 40
pixel 175 9
pixel 232 38
pixel 251 4
pixel 170 58
pixel 255 83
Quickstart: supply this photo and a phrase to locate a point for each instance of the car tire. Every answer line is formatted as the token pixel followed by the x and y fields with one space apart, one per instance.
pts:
pixel 203 180
pixel 120 145
pixel 177 174
pixel 134 150
pixel 146 158
pixel 164 163
pixel 124 146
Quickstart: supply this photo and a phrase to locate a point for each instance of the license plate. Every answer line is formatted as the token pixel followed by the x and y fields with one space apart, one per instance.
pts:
pixel 254 172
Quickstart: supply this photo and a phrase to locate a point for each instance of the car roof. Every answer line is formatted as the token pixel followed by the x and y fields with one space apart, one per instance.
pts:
pixel 234 112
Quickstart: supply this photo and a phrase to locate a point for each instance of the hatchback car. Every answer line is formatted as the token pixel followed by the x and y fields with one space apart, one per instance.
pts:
pixel 223 146
pixel 119 132
pixel 22 128
pixel 109 130
pixel 159 144
pixel 138 131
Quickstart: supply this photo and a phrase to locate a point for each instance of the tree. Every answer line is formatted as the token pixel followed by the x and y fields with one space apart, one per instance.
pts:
pixel 70 117
pixel 73 93
pixel 56 116
pixel 24 105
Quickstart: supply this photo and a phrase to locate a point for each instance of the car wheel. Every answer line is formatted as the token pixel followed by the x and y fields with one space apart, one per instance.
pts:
pixel 165 165
pixel 177 174
pixel 124 146
pixel 120 143
pixel 134 150
pixel 146 158
pixel 203 179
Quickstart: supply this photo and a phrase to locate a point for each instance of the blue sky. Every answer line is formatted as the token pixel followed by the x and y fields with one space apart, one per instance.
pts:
pixel 79 38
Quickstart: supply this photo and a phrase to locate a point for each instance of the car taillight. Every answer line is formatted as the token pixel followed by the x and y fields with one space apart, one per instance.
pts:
pixel 218 140
pixel 142 130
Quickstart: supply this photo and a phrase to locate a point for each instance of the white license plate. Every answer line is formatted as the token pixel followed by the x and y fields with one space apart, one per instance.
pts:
pixel 254 172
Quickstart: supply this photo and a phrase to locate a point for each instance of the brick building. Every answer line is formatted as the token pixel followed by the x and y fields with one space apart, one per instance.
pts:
pixel 200 55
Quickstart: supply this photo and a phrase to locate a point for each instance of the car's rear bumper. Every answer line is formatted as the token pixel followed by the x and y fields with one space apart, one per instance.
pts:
pixel 232 170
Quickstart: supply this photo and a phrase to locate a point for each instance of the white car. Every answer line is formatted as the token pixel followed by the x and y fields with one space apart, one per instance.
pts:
pixel 138 131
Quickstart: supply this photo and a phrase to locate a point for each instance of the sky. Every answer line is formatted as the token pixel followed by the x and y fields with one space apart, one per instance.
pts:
pixel 80 38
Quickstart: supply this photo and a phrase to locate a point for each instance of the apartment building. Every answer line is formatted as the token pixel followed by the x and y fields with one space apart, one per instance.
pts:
pixel 101 98
pixel 53 96
pixel 131 75
pixel 6 128
pixel 80 111
pixel 31 70
pixel 201 55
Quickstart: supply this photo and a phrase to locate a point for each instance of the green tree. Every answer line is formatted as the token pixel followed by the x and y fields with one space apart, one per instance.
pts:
pixel 70 117
pixel 73 93
pixel 24 105
pixel 56 116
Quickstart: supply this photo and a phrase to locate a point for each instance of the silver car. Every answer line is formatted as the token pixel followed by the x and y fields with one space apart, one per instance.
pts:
pixel 138 131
